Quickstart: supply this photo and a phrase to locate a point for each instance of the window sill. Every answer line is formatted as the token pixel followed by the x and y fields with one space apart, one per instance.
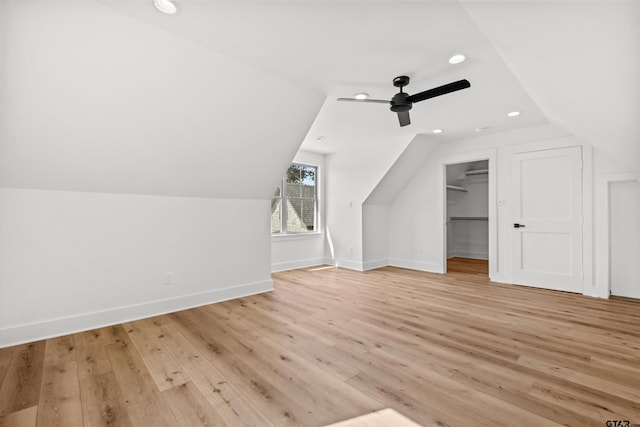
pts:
pixel 295 236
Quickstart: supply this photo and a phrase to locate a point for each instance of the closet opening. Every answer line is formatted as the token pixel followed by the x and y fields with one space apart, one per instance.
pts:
pixel 467 218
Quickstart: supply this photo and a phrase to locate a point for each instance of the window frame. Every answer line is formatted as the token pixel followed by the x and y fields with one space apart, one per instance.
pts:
pixel 284 232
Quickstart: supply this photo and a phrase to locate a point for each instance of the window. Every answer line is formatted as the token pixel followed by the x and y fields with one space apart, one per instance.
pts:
pixel 294 205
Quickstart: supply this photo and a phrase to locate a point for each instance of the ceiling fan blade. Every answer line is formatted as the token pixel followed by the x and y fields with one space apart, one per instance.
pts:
pixel 404 119
pixel 440 90
pixel 377 101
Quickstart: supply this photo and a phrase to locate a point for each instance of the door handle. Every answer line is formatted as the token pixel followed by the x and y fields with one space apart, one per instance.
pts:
pixel 518 225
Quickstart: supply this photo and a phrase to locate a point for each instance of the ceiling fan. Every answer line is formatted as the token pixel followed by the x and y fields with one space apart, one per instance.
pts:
pixel 402 102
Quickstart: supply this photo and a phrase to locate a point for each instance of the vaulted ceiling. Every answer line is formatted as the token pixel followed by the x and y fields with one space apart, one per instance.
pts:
pixel 111 95
pixel 344 47
pixel 579 61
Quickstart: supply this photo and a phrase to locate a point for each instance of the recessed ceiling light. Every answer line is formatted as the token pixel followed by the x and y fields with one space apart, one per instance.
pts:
pixel 165 6
pixel 361 95
pixel 437 131
pixel 457 58
pixel 513 114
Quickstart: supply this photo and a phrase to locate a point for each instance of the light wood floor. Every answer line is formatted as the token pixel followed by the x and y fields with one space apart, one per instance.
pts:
pixel 468 266
pixel 332 344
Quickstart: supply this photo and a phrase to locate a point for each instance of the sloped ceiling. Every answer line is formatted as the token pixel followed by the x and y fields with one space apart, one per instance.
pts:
pixel 93 100
pixel 111 95
pixel 579 61
pixel 404 168
pixel 345 47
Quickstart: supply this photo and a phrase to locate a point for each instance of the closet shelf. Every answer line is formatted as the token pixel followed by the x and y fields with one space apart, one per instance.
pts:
pixel 478 218
pixel 453 187
pixel 477 172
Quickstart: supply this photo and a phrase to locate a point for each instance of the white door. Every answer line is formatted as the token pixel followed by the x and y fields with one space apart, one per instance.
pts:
pixel 547 219
pixel 624 232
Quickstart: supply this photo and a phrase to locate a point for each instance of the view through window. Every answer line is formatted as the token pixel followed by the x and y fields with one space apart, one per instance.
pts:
pixel 294 204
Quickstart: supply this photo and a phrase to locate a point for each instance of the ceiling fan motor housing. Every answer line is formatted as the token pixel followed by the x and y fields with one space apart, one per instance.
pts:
pixel 400 103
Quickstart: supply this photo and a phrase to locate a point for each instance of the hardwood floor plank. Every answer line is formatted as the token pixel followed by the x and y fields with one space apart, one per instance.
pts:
pixel 23 418
pixel 591 403
pixel 625 391
pixel 239 412
pixel 456 391
pixel 164 370
pixel 331 344
pixel 21 386
pixel 250 378
pixel 324 389
pixel 102 400
pixel 387 388
pixel 6 356
pixel 190 408
pixel 91 354
pixel 468 266
pixel 214 385
pixel 144 403
pixel 470 386
pixel 59 404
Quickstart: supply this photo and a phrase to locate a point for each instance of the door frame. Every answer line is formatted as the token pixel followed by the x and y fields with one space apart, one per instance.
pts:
pixel 473 156
pixel 602 287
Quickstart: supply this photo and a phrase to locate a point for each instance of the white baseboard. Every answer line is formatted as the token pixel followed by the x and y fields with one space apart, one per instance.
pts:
pixel 351 265
pixel 293 265
pixel 499 278
pixel 416 265
pixel 21 334
pixel 370 265
pixel 330 261
pixel 596 291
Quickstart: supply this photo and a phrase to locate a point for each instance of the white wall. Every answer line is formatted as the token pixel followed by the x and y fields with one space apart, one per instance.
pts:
pixel 375 209
pixel 413 224
pixel 375 223
pixel 416 218
pixel 3 24
pixel 73 261
pixel 415 239
pixel 92 121
pixel 289 252
pixel 625 238
pixel 351 177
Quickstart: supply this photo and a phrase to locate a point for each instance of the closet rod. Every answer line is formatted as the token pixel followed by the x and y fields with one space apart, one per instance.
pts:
pixel 453 187
pixel 478 218
pixel 477 172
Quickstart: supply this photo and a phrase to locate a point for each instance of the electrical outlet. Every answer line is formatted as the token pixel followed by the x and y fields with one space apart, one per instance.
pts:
pixel 168 279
